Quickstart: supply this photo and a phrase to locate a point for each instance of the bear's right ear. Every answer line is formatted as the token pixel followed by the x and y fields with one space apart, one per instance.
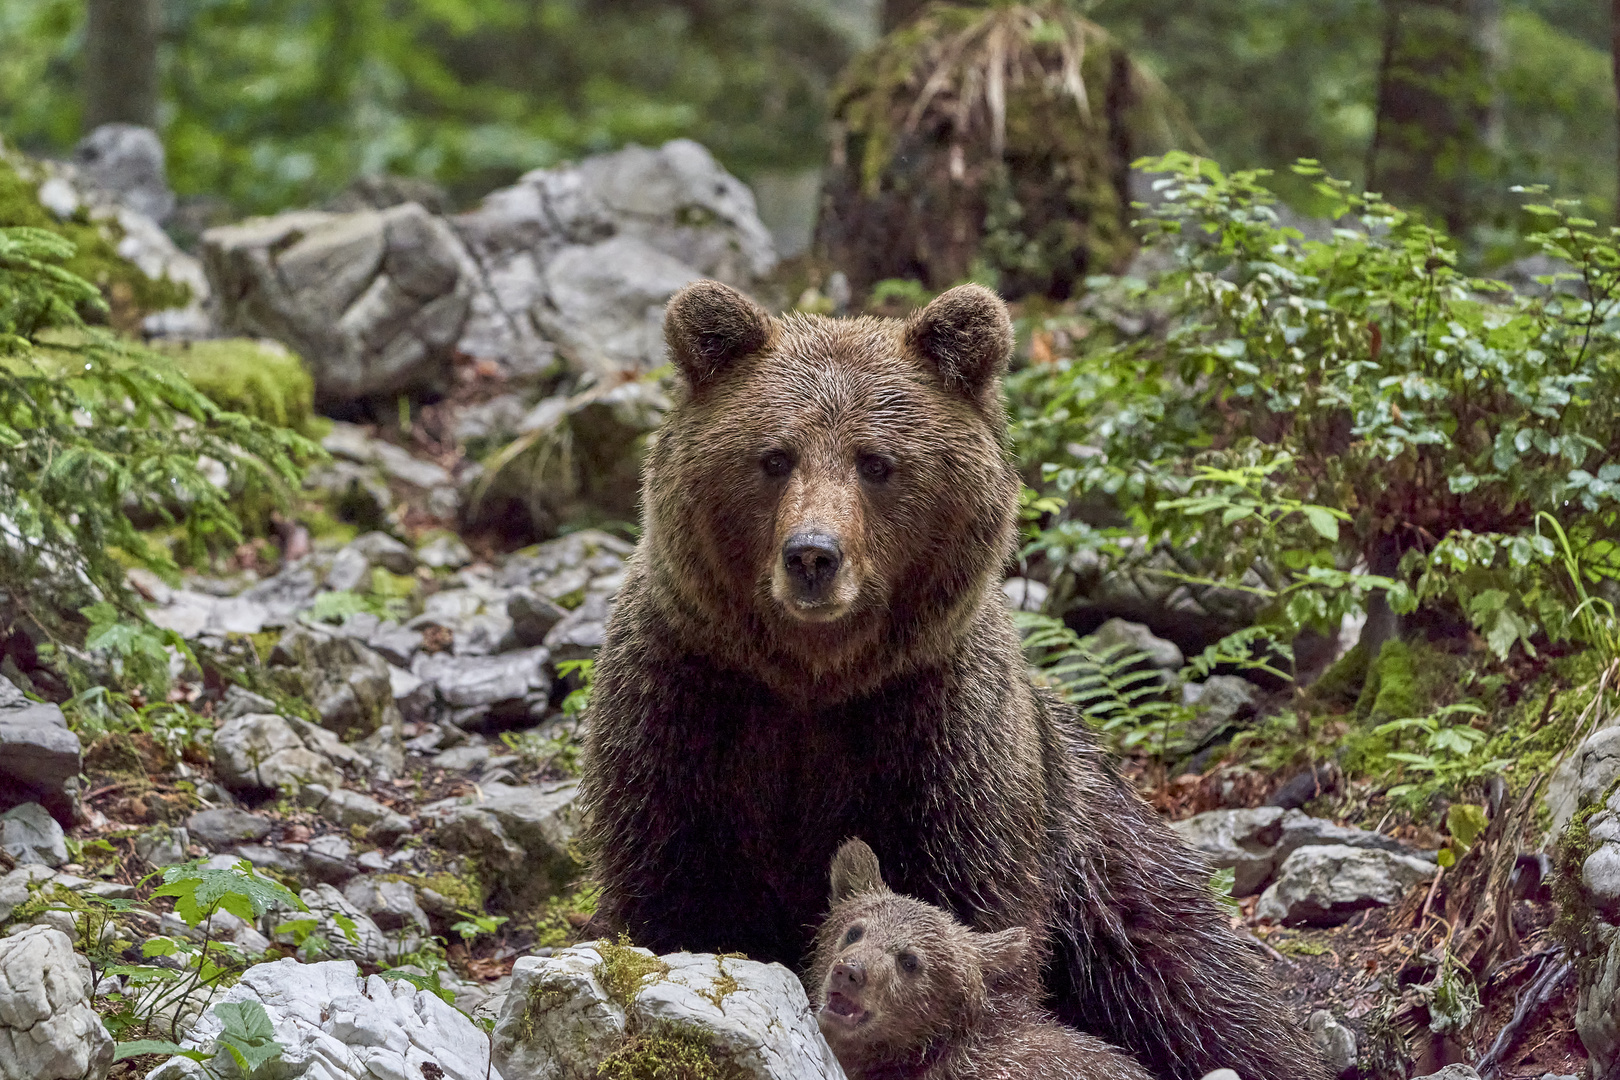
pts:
pixel 710 326
pixel 1004 956
pixel 855 872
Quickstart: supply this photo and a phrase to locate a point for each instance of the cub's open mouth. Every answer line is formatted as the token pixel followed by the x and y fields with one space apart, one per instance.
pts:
pixel 844 1010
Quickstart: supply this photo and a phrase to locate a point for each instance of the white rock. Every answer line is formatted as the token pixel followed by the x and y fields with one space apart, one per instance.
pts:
pixel 558 1021
pixel 29 834
pixel 1323 886
pixel 1135 637
pixel 1597 1006
pixel 1243 841
pixel 1583 777
pixel 336 1025
pixel 1335 1042
pixel 262 751
pixel 48 1029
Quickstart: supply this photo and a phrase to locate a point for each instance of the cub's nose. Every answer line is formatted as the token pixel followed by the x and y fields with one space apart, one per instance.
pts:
pixel 812 560
pixel 847 975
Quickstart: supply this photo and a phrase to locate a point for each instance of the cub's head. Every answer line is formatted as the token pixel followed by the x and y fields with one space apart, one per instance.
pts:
pixel 898 979
pixel 832 488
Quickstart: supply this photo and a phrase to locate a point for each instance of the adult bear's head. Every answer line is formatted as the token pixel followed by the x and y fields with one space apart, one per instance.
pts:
pixel 830 499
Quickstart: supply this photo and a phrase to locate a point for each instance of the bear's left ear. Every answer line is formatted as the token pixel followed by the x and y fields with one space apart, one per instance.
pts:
pixel 855 872
pixel 710 326
pixel 1004 956
pixel 965 334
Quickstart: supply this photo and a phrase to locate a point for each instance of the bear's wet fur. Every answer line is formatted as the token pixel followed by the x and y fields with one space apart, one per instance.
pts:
pixel 903 989
pixel 811 644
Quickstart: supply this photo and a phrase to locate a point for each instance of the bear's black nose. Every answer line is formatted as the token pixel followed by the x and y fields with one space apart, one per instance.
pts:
pixel 812 560
pixel 847 975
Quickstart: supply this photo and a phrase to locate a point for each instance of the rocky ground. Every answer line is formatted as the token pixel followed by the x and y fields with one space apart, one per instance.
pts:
pixel 381 714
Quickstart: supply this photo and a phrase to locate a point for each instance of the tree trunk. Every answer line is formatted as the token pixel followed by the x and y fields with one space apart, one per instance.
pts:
pixel 899 12
pixel 120 62
pixel 1431 146
pixel 1614 36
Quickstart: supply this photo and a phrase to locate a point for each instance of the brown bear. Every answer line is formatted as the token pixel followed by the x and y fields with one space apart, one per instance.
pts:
pixel 811 644
pixel 906 990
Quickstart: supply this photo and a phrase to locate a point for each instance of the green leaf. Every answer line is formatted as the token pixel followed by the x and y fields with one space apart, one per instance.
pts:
pixel 247 1034
pixel 143 1047
pixel 1322 520
pixel 429 982
pixel 240 890
pixel 1465 821
pixel 1446 858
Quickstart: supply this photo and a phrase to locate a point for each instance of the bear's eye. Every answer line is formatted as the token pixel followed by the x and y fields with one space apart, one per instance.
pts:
pixel 855 934
pixel 909 963
pixel 874 468
pixel 776 464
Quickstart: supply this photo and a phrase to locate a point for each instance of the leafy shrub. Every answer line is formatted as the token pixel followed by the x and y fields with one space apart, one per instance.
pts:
pixel 98 436
pixel 1354 403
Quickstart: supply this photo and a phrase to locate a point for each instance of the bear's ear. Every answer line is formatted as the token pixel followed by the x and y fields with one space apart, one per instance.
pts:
pixel 965 335
pixel 855 872
pixel 1004 956
pixel 710 326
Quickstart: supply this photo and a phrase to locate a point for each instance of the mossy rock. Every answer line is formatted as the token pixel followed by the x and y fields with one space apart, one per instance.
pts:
pixel 1342 683
pixel 258 379
pixel 129 293
pixel 1401 683
pixel 669 1052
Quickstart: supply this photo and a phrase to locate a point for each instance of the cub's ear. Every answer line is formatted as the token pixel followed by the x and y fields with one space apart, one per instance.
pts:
pixel 1004 956
pixel 710 326
pixel 965 335
pixel 855 872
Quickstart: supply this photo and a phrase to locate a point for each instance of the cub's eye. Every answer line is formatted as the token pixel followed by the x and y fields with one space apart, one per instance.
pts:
pixel 909 963
pixel 776 464
pixel 855 934
pixel 874 469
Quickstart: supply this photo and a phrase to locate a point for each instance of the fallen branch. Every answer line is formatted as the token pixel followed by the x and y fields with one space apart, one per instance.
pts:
pixel 1547 986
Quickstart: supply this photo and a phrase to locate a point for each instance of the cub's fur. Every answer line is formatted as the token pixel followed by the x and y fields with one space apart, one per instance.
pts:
pixel 811 644
pixel 906 990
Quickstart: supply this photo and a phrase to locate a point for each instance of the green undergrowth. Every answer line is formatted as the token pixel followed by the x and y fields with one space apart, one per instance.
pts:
pixel 255 379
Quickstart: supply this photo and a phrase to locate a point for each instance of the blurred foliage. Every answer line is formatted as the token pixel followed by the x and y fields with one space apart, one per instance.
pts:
pixel 270 103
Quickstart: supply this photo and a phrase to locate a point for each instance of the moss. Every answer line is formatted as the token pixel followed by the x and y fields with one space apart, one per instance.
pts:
pixel 555 925
pixel 1576 915
pixel 465 891
pixel 1393 689
pixel 623 968
pixel 130 294
pixel 723 987
pixel 263 381
pixel 1341 684
pixel 668 1052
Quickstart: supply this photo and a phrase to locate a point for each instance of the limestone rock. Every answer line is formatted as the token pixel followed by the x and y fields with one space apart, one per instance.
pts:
pixel 1243 841
pixel 374 301
pixel 1135 637
pixel 125 162
pixel 392 905
pixel 559 1023
pixel 353 808
pixel 604 303
pixel 1583 777
pixel 39 756
pixel 263 752
pixel 346 682
pixel 335 1024
pixel 370 945
pixel 1335 1042
pixel 1597 1003
pixel 48 1027
pixel 1324 886
pixel 227 826
pixel 514 827
pixel 29 834
pixel 472 686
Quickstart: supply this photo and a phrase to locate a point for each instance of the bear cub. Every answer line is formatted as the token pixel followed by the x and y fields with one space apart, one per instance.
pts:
pixel 904 990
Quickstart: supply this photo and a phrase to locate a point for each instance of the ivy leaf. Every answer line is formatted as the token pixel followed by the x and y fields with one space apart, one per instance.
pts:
pixel 248 1034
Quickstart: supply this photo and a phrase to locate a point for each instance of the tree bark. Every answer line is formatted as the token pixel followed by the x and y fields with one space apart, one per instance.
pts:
pixel 1614 36
pixel 899 12
pixel 120 62
pixel 1436 92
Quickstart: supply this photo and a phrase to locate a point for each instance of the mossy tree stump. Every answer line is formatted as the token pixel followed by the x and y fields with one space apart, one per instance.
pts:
pixel 989 141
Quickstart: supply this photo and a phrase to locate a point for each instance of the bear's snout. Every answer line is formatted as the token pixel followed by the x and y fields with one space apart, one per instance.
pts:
pixel 811 560
pixel 847 976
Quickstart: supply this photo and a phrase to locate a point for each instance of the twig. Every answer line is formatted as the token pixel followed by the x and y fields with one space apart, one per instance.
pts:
pixel 1264 946
pixel 1548 984
pixel 1434 887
